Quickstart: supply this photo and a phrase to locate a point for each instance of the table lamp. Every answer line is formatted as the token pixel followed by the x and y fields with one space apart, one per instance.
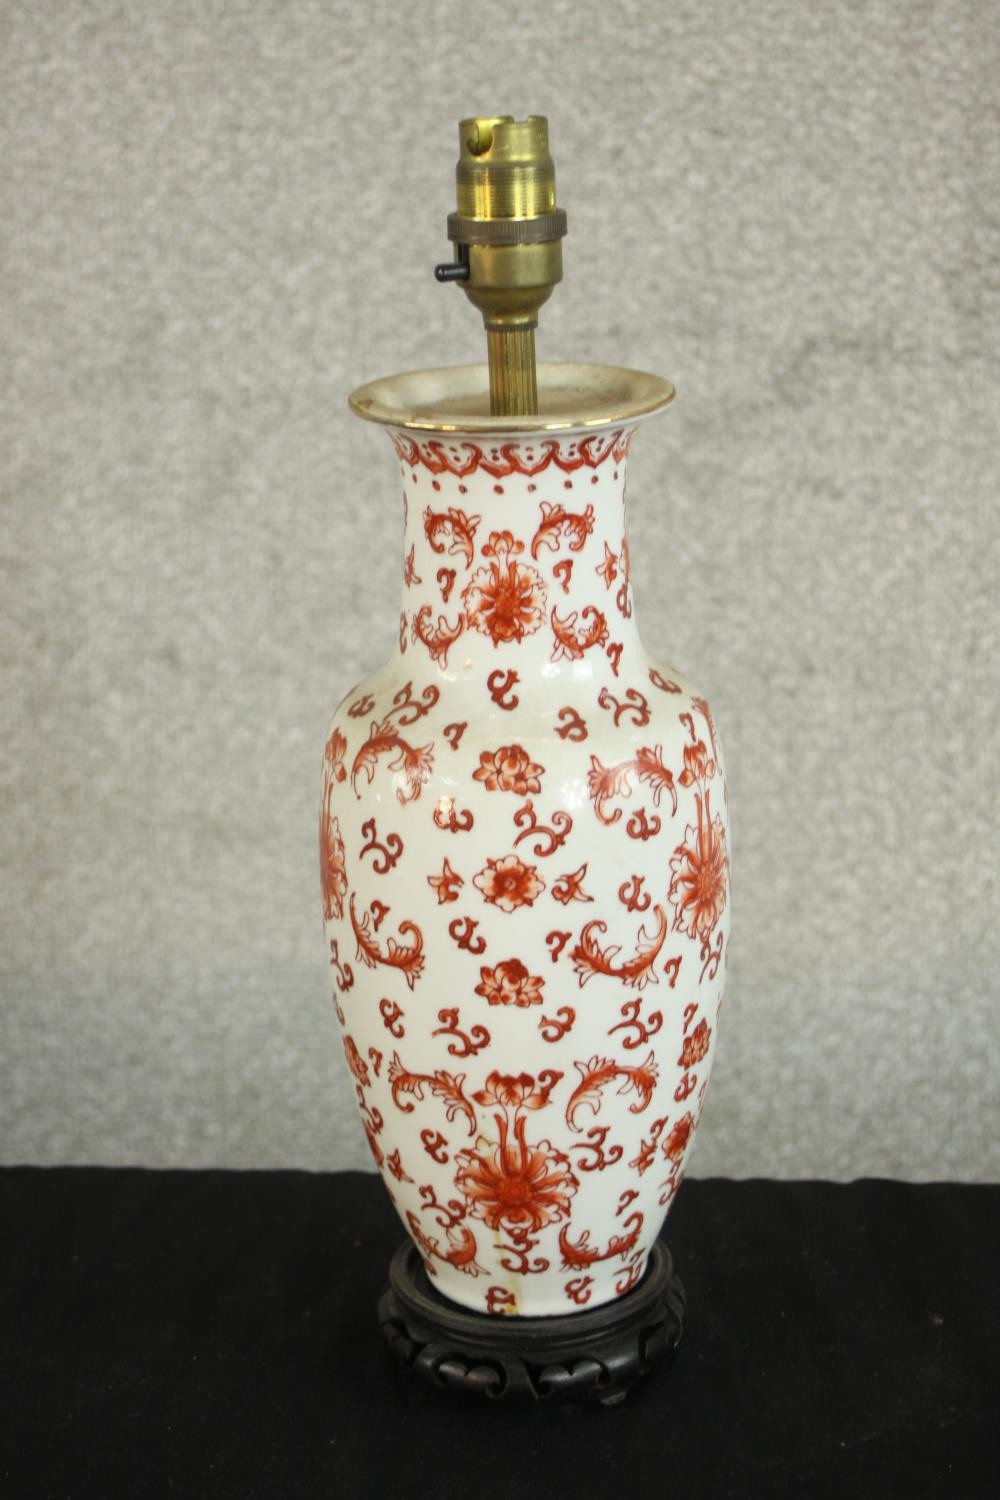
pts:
pixel 523 850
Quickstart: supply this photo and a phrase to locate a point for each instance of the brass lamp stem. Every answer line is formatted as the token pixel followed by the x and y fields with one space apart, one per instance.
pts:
pixel 513 385
pixel 507 235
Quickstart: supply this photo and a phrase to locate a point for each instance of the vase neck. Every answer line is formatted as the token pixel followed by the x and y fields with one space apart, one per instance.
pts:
pixel 515 554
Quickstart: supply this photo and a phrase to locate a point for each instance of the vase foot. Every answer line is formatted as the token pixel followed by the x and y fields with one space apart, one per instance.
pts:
pixel 595 1355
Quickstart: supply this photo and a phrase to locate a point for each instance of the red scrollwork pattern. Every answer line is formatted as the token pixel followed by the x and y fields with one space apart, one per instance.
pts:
pixel 463 1043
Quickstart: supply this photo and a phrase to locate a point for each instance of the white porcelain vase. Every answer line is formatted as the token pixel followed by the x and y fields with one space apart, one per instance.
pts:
pixel 524 856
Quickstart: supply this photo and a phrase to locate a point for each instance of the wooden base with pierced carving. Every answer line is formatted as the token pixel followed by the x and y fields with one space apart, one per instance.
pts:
pixel 595 1355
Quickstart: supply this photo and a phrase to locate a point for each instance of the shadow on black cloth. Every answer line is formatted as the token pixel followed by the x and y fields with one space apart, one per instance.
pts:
pixel 213 1334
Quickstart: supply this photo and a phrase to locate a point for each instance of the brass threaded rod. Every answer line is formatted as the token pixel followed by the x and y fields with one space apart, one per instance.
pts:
pixel 513 384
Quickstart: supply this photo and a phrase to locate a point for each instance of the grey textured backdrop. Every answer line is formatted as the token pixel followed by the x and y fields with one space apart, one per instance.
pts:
pixel 217 219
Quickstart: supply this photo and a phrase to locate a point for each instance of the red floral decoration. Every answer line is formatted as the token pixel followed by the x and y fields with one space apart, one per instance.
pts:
pixel 510 984
pixel 446 885
pixel 506 599
pixel 608 569
pixel 517 1186
pixel 336 749
pixel 517 1093
pixel 508 883
pixel 695 1045
pixel 509 769
pixel 697 766
pixel 698 879
pixel 676 1142
pixel 509 1184
pixel 332 867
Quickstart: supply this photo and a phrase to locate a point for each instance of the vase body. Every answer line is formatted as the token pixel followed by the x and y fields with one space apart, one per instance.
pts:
pixel 525 871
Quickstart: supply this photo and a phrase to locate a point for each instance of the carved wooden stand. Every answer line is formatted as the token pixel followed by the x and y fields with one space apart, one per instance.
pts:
pixel 594 1355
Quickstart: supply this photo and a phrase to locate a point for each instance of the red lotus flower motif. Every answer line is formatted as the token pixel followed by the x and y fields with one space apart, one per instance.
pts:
pixel 697 766
pixel 676 1142
pixel 510 984
pixel 332 867
pixel 508 883
pixel 506 599
pixel 513 1186
pixel 517 1093
pixel 356 1062
pixel 695 1045
pixel 509 769
pixel 698 880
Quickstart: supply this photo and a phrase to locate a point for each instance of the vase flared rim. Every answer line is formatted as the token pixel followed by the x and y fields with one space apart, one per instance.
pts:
pixel 457 399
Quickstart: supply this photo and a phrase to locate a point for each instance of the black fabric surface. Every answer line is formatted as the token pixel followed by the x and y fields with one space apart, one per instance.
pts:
pixel 213 1333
